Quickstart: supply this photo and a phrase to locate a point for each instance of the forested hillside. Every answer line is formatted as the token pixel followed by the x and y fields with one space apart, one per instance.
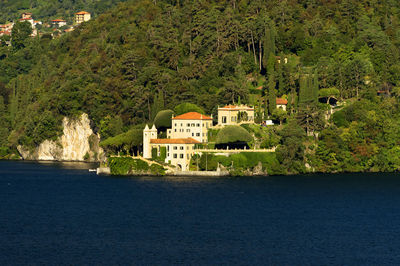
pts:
pixel 10 10
pixel 144 56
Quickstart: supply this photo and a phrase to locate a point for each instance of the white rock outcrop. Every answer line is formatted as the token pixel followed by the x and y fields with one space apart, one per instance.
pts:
pixel 78 143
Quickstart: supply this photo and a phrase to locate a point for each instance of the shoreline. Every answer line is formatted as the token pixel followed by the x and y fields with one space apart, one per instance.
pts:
pixel 190 173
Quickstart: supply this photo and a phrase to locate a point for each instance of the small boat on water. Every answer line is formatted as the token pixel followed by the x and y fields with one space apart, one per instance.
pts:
pixel 92 170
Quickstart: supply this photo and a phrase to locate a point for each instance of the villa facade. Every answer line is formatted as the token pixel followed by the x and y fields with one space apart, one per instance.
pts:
pixel 178 151
pixel 190 125
pixel 235 114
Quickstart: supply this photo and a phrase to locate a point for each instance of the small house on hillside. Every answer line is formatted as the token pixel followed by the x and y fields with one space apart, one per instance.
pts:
pixel 26 15
pixel 58 22
pixel 82 16
pixel 235 114
pixel 281 103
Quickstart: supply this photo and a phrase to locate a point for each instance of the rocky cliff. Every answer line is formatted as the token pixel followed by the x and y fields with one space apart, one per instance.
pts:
pixel 78 143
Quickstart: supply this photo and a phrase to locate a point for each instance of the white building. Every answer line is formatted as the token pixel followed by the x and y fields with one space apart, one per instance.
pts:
pixel 178 151
pixel 59 22
pixel 190 125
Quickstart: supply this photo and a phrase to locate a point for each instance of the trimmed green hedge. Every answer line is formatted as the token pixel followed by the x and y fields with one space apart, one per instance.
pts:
pixel 128 165
pixel 154 153
pixel 163 153
pixel 163 119
pixel 232 134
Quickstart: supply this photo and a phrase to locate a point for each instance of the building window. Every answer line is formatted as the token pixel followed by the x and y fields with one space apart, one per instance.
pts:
pixel 181 125
pixel 193 125
pixel 188 125
pixel 224 119
pixel 187 130
pixel 233 119
pixel 175 129
pixel 168 154
pixel 181 147
pixel 175 156
pixel 181 156
pixel 203 134
pixel 187 156
pixel 168 148
pixel 198 134
pixel 192 134
pixel 198 125
pixel 175 147
pixel 175 124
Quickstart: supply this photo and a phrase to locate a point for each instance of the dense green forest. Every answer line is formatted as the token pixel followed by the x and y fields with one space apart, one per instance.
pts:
pixel 145 56
pixel 10 10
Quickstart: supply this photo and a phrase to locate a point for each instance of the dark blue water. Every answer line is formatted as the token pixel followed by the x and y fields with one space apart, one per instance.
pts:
pixel 59 214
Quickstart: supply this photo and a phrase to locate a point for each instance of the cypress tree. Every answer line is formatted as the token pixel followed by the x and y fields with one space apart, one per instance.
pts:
pixel 4 127
pixel 272 94
pixel 266 104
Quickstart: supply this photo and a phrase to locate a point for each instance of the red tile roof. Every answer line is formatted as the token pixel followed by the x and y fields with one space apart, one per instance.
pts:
pixel 237 108
pixel 192 116
pixel 281 101
pixel 82 13
pixel 174 141
pixel 58 20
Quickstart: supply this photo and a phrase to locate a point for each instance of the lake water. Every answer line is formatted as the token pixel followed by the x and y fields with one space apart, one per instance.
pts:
pixel 60 214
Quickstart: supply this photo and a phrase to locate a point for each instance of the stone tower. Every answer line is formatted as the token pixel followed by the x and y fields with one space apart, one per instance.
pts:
pixel 148 134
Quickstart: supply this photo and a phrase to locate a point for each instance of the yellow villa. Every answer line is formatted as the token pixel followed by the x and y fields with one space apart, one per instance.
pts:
pixel 190 125
pixel 235 114
pixel 82 16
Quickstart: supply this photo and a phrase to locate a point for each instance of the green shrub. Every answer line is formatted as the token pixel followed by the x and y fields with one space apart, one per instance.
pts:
pixel 339 118
pixel 156 169
pixel 4 151
pixel 154 153
pixel 127 165
pixel 232 134
pixel 163 119
pixel 212 134
pixel 163 153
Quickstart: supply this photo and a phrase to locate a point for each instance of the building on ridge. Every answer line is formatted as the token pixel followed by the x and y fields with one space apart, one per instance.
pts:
pixel 59 22
pixel 82 16
pixel 281 103
pixel 26 15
